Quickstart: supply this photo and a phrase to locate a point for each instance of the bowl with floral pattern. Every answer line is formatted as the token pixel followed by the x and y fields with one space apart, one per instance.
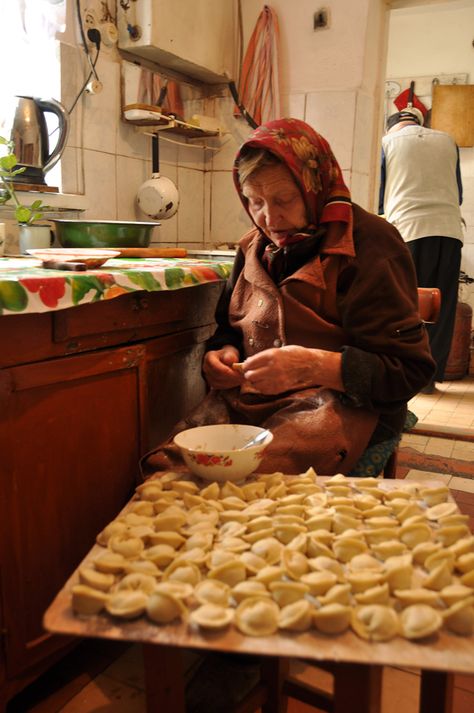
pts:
pixel 217 452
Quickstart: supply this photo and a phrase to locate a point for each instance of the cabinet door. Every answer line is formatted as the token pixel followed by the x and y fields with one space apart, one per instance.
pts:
pixel 70 440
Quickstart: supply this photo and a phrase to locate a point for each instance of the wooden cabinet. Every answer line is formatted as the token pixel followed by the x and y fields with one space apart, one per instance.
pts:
pixel 84 392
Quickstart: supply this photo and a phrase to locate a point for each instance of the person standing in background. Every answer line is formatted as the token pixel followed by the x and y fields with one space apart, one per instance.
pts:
pixel 421 194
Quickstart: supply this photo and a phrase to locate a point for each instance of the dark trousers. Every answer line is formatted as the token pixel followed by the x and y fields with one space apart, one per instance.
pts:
pixel 437 263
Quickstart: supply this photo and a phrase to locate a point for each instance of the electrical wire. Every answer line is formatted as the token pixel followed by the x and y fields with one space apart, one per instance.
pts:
pixel 84 41
pixel 83 88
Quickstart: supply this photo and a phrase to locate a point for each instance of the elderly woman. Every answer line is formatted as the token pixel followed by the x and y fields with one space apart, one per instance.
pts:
pixel 319 337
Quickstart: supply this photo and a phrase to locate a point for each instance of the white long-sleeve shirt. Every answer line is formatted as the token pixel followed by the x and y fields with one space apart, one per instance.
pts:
pixel 421 190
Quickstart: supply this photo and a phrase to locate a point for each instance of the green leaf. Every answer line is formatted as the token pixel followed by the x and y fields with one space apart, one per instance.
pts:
pixel 81 285
pixel 174 277
pixel 35 205
pixel 144 280
pixel 22 214
pixel 8 162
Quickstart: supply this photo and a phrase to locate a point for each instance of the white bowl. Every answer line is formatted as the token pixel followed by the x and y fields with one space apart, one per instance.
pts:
pixel 215 452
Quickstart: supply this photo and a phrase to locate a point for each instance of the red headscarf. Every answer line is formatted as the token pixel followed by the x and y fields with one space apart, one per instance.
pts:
pixel 309 158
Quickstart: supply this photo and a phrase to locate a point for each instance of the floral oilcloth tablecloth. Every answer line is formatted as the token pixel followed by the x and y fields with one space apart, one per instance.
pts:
pixel 26 287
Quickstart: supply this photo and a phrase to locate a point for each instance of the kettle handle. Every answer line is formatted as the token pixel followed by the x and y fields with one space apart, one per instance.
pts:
pixel 55 107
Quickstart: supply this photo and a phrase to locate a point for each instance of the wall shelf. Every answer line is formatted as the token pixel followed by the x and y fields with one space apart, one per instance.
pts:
pixel 171 124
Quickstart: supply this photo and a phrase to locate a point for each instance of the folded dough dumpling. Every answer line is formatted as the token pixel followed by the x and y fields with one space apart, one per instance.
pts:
pixel 111 530
pixel 464 563
pixel 212 591
pixel 389 548
pixel 380 594
pixel 417 595
pixel 375 622
pixel 450 534
pixel 87 601
pixel 411 535
pixel 439 577
pixel 127 603
pixel 294 563
pixel 285 593
pixel 332 618
pixel 230 572
pixel 253 563
pixel 455 593
pixel 436 558
pixel 338 594
pixel 436 512
pixel 362 580
pixel 110 562
pixel 163 607
pixel 297 616
pixel 137 582
pixel 365 561
pixel 459 618
pixel 399 572
pixel 434 495
pixel 187 573
pixel 420 620
pixel 211 616
pixel 257 616
pixel 345 548
pixel 320 564
pixel 269 549
pixel 249 588
pixel 465 544
pixel 319 582
pixel 95 579
pixel 422 551
pixel 269 573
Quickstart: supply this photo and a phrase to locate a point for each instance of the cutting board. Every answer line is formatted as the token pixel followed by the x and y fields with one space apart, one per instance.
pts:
pixel 152 252
pixel 453 111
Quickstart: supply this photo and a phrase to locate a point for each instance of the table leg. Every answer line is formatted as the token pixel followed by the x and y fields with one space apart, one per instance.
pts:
pixel 357 688
pixel 274 674
pixel 436 692
pixel 164 679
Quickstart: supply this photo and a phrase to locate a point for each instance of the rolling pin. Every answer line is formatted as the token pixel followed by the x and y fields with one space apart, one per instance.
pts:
pixel 152 252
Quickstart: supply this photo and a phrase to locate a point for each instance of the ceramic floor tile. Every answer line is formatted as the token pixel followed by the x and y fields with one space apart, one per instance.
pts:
pixel 466 485
pixel 440 446
pixel 106 694
pixel 128 668
pixel 400 691
pixel 426 475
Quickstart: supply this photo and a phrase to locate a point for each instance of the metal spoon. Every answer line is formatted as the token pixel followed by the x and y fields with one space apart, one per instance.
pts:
pixel 256 439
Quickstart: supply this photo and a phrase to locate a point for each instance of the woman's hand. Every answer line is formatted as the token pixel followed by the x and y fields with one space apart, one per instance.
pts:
pixel 217 368
pixel 291 368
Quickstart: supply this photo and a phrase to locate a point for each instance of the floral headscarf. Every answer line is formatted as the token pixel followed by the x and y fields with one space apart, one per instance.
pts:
pixel 311 161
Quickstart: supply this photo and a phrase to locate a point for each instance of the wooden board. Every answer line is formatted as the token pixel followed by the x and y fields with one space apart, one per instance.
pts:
pixel 441 652
pixel 453 111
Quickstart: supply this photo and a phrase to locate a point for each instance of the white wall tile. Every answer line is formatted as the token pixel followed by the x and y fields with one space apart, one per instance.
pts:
pixel 130 175
pixel 360 189
pixel 229 221
pixel 191 207
pixel 102 111
pixel 332 114
pixel 100 179
pixel 296 105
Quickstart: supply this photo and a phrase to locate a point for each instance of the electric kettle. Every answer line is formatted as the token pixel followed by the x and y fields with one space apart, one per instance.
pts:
pixel 25 125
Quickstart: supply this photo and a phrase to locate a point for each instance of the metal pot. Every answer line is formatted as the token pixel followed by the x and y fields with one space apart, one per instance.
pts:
pixel 25 125
pixel 103 233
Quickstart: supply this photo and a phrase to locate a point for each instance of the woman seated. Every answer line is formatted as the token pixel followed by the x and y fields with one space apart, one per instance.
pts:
pixel 320 316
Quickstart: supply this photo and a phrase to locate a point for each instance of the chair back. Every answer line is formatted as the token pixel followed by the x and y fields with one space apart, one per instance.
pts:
pixel 429 304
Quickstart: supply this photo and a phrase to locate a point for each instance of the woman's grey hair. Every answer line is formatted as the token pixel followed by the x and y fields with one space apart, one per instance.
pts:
pixel 253 160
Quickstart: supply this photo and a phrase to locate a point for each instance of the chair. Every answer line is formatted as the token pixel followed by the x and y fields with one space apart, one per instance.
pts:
pixel 429 305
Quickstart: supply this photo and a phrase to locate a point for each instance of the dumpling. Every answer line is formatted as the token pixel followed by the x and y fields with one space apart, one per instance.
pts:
pixel 365 561
pixel 210 492
pixel 97 580
pixel 459 618
pixel 322 563
pixel 253 563
pixel 230 572
pixel 332 618
pixel 297 616
pixel 379 535
pixel 452 533
pixel 466 544
pixel 464 563
pixel 399 572
pixel 163 607
pixel 211 616
pixel 137 582
pixel 294 563
pixel 419 620
pixel 389 548
pixel 441 510
pixel 269 573
pixel 380 594
pixel 257 616
pixel 143 567
pixel 110 562
pixel 111 530
pixel 417 595
pixel 269 549
pixel 338 594
pixel 436 558
pixel 375 622
pixel 127 603
pixel 161 555
pixel 439 577
pixel 129 547
pixel 285 593
pixel 285 533
pixel 150 490
pixel 188 573
pixel 454 593
pixel 212 591
pixel 422 551
pixel 87 601
pixel 319 582
pixel 362 580
pixel 346 548
pixel 181 590
pixel 434 495
pixel 412 535
pixel 249 588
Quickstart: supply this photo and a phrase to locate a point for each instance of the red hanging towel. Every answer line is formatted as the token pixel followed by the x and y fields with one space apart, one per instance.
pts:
pixel 259 89
pixel 407 97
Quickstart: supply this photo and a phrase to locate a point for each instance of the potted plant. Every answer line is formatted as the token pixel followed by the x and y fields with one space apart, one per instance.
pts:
pixel 32 235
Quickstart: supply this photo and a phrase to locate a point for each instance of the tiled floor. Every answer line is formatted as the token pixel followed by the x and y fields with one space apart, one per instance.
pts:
pixel 107 677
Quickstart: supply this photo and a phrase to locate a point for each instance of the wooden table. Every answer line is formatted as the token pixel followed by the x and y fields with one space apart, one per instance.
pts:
pixel 358 663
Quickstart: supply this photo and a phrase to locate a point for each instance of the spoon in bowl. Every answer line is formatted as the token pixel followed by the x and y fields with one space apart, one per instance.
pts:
pixel 256 439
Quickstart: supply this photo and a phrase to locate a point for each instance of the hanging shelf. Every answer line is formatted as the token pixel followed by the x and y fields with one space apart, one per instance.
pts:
pixel 152 122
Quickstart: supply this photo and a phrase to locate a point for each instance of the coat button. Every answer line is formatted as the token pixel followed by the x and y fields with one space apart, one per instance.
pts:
pixel 277 343
pixel 260 303
pixel 251 341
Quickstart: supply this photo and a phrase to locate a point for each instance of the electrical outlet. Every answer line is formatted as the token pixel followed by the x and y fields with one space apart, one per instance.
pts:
pixel 90 19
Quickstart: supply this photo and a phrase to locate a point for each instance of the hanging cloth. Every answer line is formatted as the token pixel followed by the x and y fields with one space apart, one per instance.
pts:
pixel 259 89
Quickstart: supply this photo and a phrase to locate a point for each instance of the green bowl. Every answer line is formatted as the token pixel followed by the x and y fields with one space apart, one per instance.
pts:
pixel 103 233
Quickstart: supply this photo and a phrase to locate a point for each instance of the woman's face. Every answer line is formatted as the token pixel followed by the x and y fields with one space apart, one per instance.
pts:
pixel 275 202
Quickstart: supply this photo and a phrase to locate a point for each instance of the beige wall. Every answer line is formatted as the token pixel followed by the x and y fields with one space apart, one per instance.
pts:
pixel 331 78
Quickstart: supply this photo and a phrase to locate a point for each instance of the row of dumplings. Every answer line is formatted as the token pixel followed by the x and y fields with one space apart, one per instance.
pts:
pixel 286 552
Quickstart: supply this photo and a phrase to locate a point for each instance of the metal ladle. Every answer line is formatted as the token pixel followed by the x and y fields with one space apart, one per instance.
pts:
pixel 256 439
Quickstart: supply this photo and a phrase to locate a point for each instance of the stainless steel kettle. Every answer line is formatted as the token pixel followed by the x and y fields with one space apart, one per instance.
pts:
pixel 28 130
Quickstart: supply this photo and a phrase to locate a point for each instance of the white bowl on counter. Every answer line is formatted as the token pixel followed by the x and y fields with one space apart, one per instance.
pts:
pixel 216 452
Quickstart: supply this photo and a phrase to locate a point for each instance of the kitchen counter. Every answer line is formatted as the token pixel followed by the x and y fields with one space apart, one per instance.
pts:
pixel 95 369
pixel 25 287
